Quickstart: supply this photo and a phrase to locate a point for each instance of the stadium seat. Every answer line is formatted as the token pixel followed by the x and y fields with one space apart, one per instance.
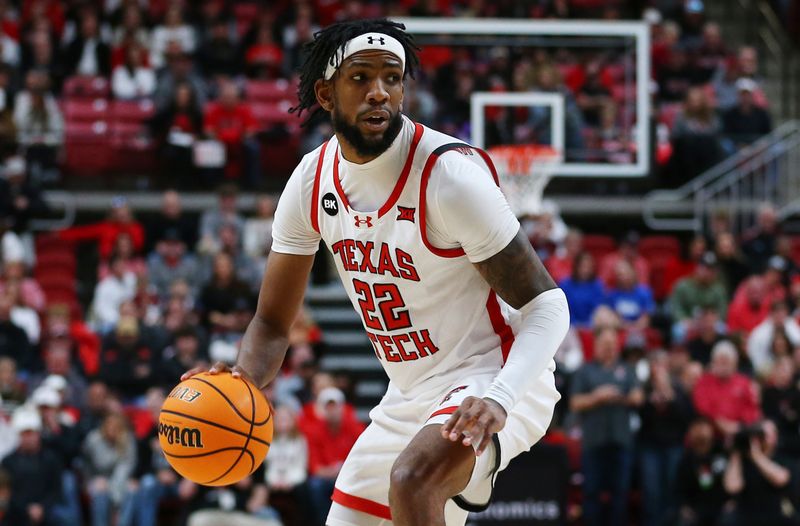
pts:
pixel 57 281
pixel 132 111
pixel 86 110
pixel 51 244
pixel 659 247
pixel 270 113
pixel 270 90
pixel 81 87
pixel 87 147
pixel 598 246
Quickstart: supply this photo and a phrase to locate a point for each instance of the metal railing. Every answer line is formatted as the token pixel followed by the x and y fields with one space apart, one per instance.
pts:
pixel 766 171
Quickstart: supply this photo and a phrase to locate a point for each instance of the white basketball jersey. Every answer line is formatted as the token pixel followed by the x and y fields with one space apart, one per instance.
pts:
pixel 427 311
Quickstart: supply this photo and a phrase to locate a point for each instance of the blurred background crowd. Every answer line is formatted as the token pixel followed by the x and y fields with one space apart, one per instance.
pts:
pixel 681 401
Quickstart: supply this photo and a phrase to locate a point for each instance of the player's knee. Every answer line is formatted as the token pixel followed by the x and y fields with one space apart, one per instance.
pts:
pixel 412 477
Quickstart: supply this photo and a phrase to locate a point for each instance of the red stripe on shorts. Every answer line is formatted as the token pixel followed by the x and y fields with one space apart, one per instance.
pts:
pixel 444 411
pixel 360 504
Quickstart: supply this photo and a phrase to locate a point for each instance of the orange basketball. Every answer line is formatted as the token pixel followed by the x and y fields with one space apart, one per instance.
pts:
pixel 215 429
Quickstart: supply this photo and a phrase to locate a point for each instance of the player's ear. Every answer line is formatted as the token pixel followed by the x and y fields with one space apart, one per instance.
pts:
pixel 323 89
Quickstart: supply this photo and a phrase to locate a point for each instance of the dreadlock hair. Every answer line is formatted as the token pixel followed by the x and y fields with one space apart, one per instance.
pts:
pixel 328 41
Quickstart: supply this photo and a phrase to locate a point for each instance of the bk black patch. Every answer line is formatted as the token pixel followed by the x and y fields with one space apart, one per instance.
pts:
pixel 330 204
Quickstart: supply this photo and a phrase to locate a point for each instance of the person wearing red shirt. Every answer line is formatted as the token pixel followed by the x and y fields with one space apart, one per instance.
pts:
pixel 330 431
pixel 724 395
pixel 105 233
pixel 231 122
pixel 559 265
pixel 751 304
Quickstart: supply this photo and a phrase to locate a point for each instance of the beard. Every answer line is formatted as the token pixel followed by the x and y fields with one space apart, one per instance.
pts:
pixel 365 147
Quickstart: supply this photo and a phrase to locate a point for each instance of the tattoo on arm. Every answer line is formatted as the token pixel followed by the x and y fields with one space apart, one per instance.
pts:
pixel 516 273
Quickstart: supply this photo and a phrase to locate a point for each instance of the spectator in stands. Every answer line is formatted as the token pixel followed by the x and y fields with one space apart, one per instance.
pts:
pixel 225 213
pixel 36 472
pixel 257 231
pixel 61 371
pixel 124 249
pixel 560 262
pixel 12 388
pixel 95 407
pixel 110 293
pixel 746 122
pixel 23 316
pixel 297 34
pixel 702 290
pixel 174 30
pixel 583 289
pixel 11 511
pixel 171 218
pixel 264 58
pixel 171 262
pixel 40 126
pixel 85 344
pixel 708 329
pixel 247 270
pixel 287 468
pixel 331 432
pixel 676 76
pixel 780 401
pixel 699 490
pixel 131 29
pixel 732 265
pixel 127 363
pixel 60 436
pixel 182 355
pixel 20 200
pixel 750 306
pixel 760 481
pixel 8 131
pixel 246 502
pixel 604 393
pixel 593 95
pixel 725 396
pixel 30 292
pixel 120 220
pixel 631 300
pixel 695 138
pixel 219 55
pixel 109 458
pixel 627 250
pixel 9 49
pixel 712 53
pixel 133 79
pixel 87 54
pixel 13 339
pixel 759 242
pixel 176 126
pixel 773 338
pixel 220 295
pixel 179 70
pixel 231 121
pixel 665 415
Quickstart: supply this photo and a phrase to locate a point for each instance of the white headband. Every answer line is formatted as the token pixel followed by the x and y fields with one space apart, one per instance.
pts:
pixel 360 43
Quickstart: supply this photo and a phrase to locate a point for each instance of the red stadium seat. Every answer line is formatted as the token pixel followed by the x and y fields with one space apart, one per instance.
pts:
pixel 598 246
pixel 57 281
pixel 271 90
pixel 86 87
pixel 86 110
pixel 132 111
pixel 88 148
pixel 269 114
pixel 51 244
pixel 133 150
pixel 659 247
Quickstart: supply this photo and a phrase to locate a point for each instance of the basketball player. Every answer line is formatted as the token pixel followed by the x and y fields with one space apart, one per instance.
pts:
pixel 460 311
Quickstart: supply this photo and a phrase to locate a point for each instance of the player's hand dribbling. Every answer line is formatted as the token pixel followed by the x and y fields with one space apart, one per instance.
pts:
pixel 476 420
pixel 219 367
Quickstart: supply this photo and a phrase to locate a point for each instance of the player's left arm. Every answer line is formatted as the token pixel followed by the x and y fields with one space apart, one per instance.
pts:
pixel 478 217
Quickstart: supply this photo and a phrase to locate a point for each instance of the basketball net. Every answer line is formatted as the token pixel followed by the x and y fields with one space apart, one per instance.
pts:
pixel 524 170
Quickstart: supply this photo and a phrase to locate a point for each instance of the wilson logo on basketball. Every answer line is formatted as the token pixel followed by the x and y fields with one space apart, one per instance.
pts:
pixel 185 394
pixel 185 436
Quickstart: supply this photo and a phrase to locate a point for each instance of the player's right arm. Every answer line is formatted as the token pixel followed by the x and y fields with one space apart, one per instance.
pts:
pixel 283 286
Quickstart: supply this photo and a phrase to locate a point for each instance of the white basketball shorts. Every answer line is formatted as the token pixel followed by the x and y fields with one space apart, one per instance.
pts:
pixel 361 497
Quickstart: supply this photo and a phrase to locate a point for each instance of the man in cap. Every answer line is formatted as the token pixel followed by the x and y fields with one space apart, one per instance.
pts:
pixel 746 122
pixel 35 471
pixel 435 262
pixel 695 293
pixel 170 263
